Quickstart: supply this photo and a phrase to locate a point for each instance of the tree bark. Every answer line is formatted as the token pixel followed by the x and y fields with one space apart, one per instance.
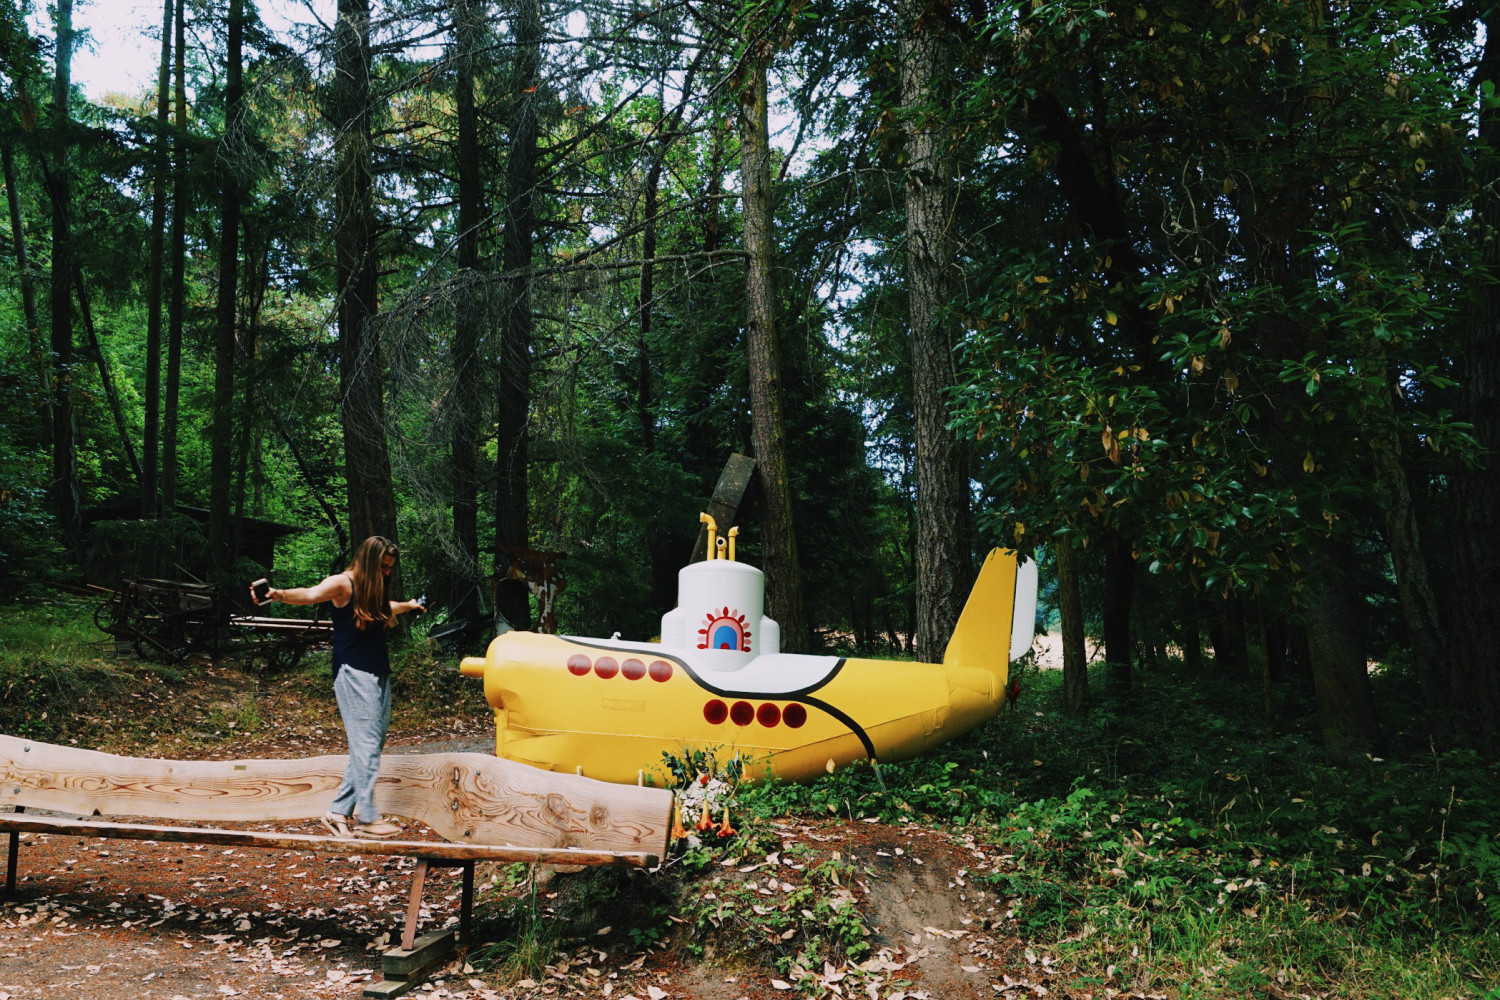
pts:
pixel 106 380
pixel 511 497
pixel 151 432
pixel 468 22
pixel 181 197
pixel 1119 595
pixel 1070 609
pixel 367 464
pixel 1474 690
pixel 66 503
pixel 1189 634
pixel 944 538
pixel 1419 603
pixel 28 282
pixel 221 540
pixel 1346 708
pixel 779 557
pixel 1226 629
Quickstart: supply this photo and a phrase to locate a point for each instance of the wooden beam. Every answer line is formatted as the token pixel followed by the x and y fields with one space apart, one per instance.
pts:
pixel 467 798
pixel 437 849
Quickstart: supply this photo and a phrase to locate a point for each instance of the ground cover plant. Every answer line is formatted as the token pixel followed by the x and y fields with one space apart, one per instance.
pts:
pixel 1211 859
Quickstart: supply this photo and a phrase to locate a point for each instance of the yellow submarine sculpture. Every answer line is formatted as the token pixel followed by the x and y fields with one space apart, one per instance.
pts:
pixel 717 682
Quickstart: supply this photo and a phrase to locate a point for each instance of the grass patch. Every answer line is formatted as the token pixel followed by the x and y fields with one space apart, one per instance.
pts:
pixel 54 685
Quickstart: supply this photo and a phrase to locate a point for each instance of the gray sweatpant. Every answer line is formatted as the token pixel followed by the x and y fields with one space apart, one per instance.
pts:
pixel 365 706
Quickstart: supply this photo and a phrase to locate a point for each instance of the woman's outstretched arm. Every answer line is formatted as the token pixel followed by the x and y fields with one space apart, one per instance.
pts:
pixel 336 588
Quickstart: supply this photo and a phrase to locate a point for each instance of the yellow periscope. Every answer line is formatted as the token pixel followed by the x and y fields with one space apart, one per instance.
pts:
pixel 609 709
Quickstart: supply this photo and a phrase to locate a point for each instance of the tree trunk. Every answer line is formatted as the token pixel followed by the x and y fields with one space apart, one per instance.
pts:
pixel 511 498
pixel 1119 594
pixel 64 487
pixel 464 576
pixel 106 380
pixel 1474 691
pixel 1226 629
pixel 1346 709
pixel 34 348
pixel 181 198
pixel 1189 634
pixel 646 298
pixel 151 432
pixel 1070 609
pixel 367 465
pixel 644 417
pixel 221 540
pixel 944 538
pixel 763 348
pixel 1419 603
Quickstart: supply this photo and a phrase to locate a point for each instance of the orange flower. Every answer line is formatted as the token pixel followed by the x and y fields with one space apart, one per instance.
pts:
pixel 725 830
pixel 705 822
pixel 678 831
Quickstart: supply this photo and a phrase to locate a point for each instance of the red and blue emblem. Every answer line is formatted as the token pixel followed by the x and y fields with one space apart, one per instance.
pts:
pixel 724 629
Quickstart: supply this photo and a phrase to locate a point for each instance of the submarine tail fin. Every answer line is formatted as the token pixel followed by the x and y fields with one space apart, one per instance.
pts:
pixel 997 622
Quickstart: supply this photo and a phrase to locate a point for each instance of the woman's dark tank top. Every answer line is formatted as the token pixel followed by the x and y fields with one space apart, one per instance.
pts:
pixel 361 649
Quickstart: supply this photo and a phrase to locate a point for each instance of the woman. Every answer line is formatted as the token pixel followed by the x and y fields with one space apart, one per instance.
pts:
pixel 361 614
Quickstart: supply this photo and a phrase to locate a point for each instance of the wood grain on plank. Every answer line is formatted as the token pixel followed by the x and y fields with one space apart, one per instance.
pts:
pixel 320 844
pixel 467 798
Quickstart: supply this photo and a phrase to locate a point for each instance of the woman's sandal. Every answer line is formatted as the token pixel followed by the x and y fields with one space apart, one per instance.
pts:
pixel 336 825
pixel 378 830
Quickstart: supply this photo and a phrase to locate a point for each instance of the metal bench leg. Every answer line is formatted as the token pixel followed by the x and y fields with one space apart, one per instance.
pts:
pixel 10 861
pixel 414 908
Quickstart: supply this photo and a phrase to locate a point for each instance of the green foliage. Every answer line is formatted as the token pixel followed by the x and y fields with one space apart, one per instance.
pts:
pixel 818 922
pixel 28 543
pixel 1222 840
pixel 158 549
pixel 1204 347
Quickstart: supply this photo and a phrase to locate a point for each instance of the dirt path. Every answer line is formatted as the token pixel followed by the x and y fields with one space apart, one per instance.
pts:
pixel 97 920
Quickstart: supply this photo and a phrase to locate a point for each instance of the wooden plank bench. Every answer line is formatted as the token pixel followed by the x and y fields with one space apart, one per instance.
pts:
pixel 487 809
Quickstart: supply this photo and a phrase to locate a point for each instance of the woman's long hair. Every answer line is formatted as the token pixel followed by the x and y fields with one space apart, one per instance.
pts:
pixel 371 606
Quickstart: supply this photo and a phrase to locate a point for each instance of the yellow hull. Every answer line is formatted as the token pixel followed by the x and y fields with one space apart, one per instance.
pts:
pixel 610 709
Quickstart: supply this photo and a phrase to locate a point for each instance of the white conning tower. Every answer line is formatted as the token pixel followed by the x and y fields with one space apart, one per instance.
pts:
pixel 720 608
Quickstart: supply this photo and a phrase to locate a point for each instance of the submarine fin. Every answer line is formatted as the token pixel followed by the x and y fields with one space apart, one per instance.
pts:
pixel 984 634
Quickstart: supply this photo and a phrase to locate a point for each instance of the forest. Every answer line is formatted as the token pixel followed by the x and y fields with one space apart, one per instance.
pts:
pixel 1194 303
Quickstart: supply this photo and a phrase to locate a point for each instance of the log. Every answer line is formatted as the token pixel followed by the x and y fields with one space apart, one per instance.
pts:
pixel 467 798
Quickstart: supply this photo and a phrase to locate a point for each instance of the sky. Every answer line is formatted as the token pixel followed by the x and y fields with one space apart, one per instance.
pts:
pixel 124 44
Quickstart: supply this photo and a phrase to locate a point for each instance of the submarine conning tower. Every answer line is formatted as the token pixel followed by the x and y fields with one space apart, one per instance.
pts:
pixel 720 608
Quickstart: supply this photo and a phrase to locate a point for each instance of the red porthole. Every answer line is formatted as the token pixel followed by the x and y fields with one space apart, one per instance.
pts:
pixel 633 669
pixel 716 712
pixel 661 670
pixel 578 664
pixel 606 667
pixel 768 715
pixel 742 714
pixel 794 716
